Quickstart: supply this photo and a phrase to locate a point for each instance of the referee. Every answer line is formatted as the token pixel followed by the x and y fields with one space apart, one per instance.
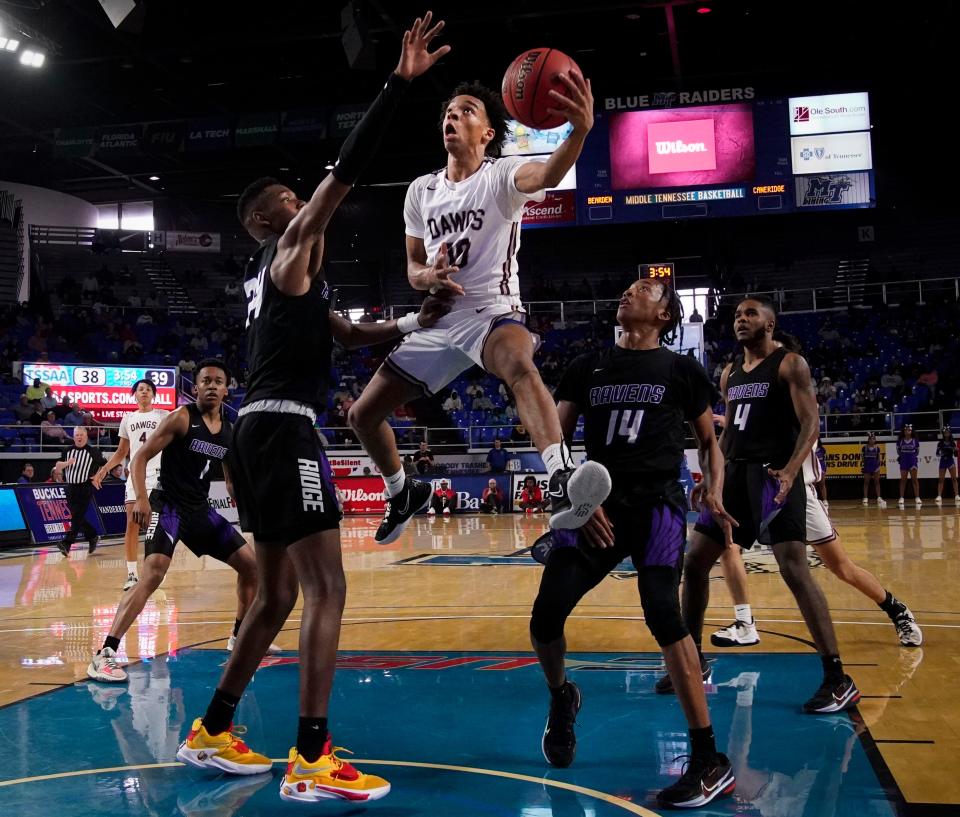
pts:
pixel 79 463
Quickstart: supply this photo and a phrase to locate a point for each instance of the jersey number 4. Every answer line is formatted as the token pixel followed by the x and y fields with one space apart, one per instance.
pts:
pixel 740 417
pixel 629 425
pixel 253 289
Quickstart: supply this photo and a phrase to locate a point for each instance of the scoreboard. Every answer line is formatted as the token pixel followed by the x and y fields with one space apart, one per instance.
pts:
pixel 104 390
pixel 658 272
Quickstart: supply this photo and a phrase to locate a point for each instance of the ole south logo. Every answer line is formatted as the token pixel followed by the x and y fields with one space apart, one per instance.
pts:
pixel 801 113
pixel 678 145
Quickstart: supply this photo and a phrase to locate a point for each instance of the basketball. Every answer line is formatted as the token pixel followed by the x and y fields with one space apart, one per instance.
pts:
pixel 527 82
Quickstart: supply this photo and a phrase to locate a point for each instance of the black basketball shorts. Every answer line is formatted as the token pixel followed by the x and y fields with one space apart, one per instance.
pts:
pixel 748 494
pixel 202 530
pixel 281 478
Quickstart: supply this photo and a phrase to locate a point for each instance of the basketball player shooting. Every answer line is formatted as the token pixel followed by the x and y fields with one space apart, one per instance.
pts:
pixel 463 235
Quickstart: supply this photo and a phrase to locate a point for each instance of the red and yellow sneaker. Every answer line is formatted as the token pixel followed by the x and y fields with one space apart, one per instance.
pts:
pixel 223 753
pixel 328 778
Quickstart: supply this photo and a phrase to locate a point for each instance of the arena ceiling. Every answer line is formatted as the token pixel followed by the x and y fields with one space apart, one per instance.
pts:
pixel 228 60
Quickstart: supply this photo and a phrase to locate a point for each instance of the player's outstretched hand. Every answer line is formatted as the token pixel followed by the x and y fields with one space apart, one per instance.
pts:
pixel 435 307
pixel 415 59
pixel 142 512
pixel 599 530
pixel 577 108
pixel 97 478
pixel 785 478
pixel 440 272
pixel 696 497
pixel 714 504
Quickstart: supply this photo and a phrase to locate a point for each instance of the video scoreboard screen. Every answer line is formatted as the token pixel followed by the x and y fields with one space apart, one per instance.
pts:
pixel 104 390
pixel 753 156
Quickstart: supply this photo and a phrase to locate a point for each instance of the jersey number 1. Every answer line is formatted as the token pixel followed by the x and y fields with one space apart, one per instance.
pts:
pixel 629 424
pixel 740 417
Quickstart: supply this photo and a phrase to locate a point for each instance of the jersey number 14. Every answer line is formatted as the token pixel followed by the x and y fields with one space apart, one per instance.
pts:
pixel 629 425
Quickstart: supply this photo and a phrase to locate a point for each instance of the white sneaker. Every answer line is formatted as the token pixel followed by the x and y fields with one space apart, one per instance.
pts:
pixel 918 503
pixel 865 502
pixel 446 512
pixel 907 630
pixel 132 579
pixel 900 504
pixel 104 667
pixel 738 634
pixel 432 512
pixel 938 501
pixel 881 503
pixel 273 649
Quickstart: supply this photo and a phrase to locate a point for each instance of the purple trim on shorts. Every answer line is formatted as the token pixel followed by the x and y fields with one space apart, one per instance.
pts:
pixel 768 508
pixel 946 463
pixel 326 477
pixel 224 530
pixel 169 521
pixel 705 518
pixel 667 537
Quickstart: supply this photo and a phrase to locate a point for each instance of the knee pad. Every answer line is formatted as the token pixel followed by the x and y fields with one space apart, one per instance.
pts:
pixel 660 599
pixel 550 613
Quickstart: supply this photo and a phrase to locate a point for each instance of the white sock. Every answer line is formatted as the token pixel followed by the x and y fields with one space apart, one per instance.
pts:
pixel 556 457
pixel 393 484
pixel 132 568
pixel 743 613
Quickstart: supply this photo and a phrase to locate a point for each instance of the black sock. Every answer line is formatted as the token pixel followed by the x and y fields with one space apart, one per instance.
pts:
pixel 702 743
pixel 832 668
pixel 111 643
pixel 311 735
pixel 220 712
pixel 891 606
pixel 561 691
pixel 236 626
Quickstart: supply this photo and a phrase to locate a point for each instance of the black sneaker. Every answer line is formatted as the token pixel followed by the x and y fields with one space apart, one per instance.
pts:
pixel 575 493
pixel 415 496
pixel 64 547
pixel 665 686
pixel 93 545
pixel 559 742
pixel 702 782
pixel 833 697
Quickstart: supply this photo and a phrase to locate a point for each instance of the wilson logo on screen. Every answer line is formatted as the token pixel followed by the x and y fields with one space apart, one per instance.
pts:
pixel 681 146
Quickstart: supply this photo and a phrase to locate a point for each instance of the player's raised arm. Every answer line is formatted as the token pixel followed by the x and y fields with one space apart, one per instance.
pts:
pixel 578 110
pixel 354 335
pixel 291 268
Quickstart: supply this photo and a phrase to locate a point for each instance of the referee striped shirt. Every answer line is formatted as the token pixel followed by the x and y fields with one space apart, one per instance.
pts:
pixel 86 462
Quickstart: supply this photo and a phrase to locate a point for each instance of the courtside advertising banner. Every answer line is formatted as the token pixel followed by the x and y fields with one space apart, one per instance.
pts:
pixel 48 517
pixel 361 495
pixel 220 501
pixel 104 390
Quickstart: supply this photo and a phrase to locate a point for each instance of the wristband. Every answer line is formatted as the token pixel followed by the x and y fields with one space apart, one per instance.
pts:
pixel 409 323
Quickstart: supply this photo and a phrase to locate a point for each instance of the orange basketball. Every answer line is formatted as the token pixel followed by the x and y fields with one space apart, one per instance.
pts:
pixel 527 82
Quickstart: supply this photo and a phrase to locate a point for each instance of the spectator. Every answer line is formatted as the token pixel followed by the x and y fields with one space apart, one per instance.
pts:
pixel 231 290
pixel 48 401
pixel 695 317
pixel 144 319
pixel 409 468
pixel 26 474
pixel 51 432
pixel 510 410
pixel 152 301
pixel 117 474
pixel 90 287
pixel 492 499
pixel 24 409
pixel 63 409
pixel 519 434
pixel 36 417
pixel 134 301
pixel 531 497
pixel 827 390
pixel 74 418
pixel 891 380
pixel 453 402
pixel 37 391
pixel 497 457
pixel 481 402
pixel 423 458
pixel 444 500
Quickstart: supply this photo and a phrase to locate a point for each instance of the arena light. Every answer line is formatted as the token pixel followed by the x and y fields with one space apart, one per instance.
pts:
pixel 34 59
pixel 704 10
pixel 9 44
pixel 154 178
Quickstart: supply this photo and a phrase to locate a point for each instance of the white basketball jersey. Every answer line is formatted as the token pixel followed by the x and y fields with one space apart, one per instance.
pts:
pixel 137 426
pixel 479 221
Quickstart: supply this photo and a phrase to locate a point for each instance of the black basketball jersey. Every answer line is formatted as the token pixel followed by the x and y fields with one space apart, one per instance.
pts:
pixel 762 425
pixel 186 463
pixel 289 343
pixel 635 404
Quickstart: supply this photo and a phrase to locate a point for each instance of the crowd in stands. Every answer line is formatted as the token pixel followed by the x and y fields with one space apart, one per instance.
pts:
pixel 865 362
